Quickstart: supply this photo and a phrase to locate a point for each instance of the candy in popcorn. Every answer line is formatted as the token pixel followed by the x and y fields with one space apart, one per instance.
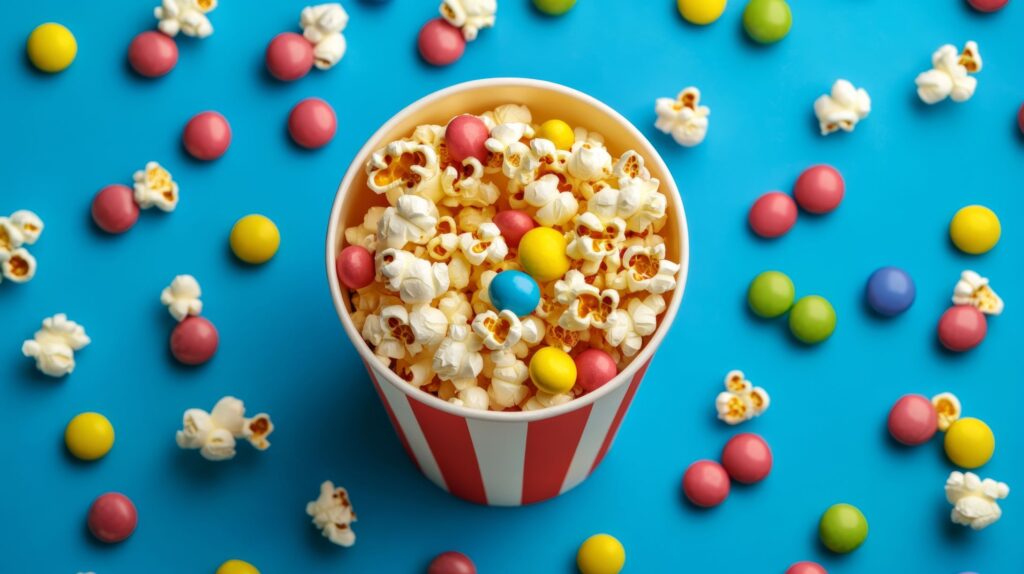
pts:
pixel 333 514
pixel 214 434
pixel 741 400
pixel 54 345
pixel 185 16
pixel 950 76
pixel 975 501
pixel 182 297
pixel 322 26
pixel 842 108
pixel 973 289
pixel 470 16
pixel 22 228
pixel 155 187
pixel 683 117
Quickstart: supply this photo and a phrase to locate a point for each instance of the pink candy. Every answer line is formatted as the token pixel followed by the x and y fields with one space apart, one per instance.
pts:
pixel 772 215
pixel 354 266
pixel 112 517
pixel 114 209
pixel 194 341
pixel 819 189
pixel 465 137
pixel 289 56
pixel 806 568
pixel 594 368
pixel 440 43
pixel 706 483
pixel 152 54
pixel 987 5
pixel 451 563
pixel 913 420
pixel 747 458
pixel 312 123
pixel 207 136
pixel 962 328
pixel 513 225
pixel 1020 119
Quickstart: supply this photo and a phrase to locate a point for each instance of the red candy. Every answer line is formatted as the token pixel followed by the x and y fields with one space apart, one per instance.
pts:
pixel 1020 118
pixel 513 225
pixel 152 54
pixel 112 517
pixel 819 189
pixel 354 266
pixel 706 483
pixel 451 563
pixel 464 137
pixel 962 328
pixel 747 458
pixel 312 123
pixel 440 43
pixel 194 341
pixel 913 420
pixel 114 209
pixel 289 56
pixel 987 5
pixel 594 368
pixel 806 568
pixel 207 136
pixel 773 214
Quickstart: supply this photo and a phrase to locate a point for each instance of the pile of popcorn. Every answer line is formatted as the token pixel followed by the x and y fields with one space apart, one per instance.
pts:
pixel 436 249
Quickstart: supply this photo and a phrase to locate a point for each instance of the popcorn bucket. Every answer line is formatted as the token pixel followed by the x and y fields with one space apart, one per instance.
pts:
pixel 490 457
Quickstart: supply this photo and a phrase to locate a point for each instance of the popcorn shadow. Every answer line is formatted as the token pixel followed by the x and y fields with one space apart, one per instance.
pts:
pixel 36 379
pixel 187 466
pixel 954 534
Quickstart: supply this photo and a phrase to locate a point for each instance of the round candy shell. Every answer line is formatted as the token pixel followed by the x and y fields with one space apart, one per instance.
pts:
pixel 706 483
pixel 819 189
pixel 451 563
pixel 114 209
pixel 89 436
pixel 772 215
pixel 153 54
pixel 464 137
pixel 207 136
pixel 843 528
pixel 354 266
pixel 312 123
pixel 913 420
pixel 112 517
pixel 51 47
pixel 890 291
pixel 289 56
pixel 194 341
pixel 440 43
pixel 969 443
pixel 747 458
pixel 594 368
pixel 601 554
pixel 962 328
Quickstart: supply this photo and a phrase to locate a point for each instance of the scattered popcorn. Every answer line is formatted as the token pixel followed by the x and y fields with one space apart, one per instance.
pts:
pixel 28 224
pixel 53 347
pixel 185 16
pixel 949 76
pixel 975 501
pixel 322 26
pixel 843 108
pixel 154 187
pixel 333 514
pixel 974 290
pixel 182 297
pixel 741 400
pixel 19 265
pixel 469 15
pixel 214 433
pixel 683 117
pixel 948 408
pixel 22 228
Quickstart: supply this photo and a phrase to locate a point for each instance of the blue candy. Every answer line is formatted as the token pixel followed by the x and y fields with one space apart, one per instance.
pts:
pixel 515 291
pixel 890 291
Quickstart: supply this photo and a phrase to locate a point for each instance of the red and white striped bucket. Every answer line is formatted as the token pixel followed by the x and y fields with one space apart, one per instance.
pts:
pixel 500 458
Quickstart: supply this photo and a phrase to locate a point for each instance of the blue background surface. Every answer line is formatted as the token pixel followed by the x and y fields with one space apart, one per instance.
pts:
pixel 908 168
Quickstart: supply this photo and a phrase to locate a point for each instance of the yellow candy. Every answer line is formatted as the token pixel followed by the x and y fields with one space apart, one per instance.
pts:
pixel 969 443
pixel 89 436
pixel 542 254
pixel 601 554
pixel 558 132
pixel 237 567
pixel 255 239
pixel 701 12
pixel 553 370
pixel 52 47
pixel 975 229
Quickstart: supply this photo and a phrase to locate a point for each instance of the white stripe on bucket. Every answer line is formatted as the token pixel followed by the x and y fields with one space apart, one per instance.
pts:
pixel 501 453
pixel 601 417
pixel 413 434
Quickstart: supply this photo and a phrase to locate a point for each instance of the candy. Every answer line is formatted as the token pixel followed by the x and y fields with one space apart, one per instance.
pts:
pixel 969 443
pixel 152 54
pixel 806 568
pixel 194 341
pixel 464 137
pixel 741 400
pixel 747 458
pixel 322 26
pixel 542 253
pixel 594 368
pixel 354 266
pixel 770 294
pixel 89 436
pixel 54 345
pixel 975 501
pixel 451 563
pixel 890 291
pixel 812 319
pixel 767 21
pixel 289 56
pixel 706 483
pixel 552 370
pixel 601 554
pixel 254 239
pixel 558 132
pixel 312 123
pixel 772 215
pixel 1020 119
pixel 207 136
pixel 182 297
pixel 819 189
pixel 52 47
pixel 987 5
pixel 114 209
pixel 701 12
pixel 975 229
pixel 440 43
pixel 513 225
pixel 962 328
pixel 515 291
pixel 683 117
pixel 842 528
pixel 237 567
pixel 112 517
pixel 950 74
pixel 554 7
pixel 842 108
pixel 913 420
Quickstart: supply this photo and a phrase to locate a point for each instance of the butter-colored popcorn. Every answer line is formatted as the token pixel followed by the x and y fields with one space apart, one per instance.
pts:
pixel 458 358
pixel 466 186
pixel 639 320
pixel 390 333
pixel 594 241
pixel 470 218
pixel 842 108
pixel 370 300
pixel 185 16
pixel 589 160
pixel 214 433
pixel 973 289
pixel 18 265
pixel 587 306
pixel 534 330
pixel 455 307
pixel 417 370
pixel 950 74
pixel 54 345
pixel 507 114
pixel 554 207
pixel 413 219
pixel 365 234
pixel 507 378
pixel 333 514
pixel 474 398
pixel 404 167
pixel 322 26
pixel 506 144
pixel 975 501
pixel 948 408
pixel 469 15
pixel 429 325
pixel 28 224
pixel 442 247
pixel 741 401
pixel 543 400
pixel 416 280
pixel 637 202
pixel 558 336
pixel 498 331
pixel 459 271
pixel 182 297
pixel 484 244
pixel 683 117
pixel 646 269
pixel 630 165
pixel 155 187
pixel 10 236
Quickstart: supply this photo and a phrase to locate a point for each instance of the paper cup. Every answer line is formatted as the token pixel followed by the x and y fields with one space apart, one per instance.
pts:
pixel 500 458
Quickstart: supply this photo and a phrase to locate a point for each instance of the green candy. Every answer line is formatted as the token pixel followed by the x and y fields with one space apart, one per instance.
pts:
pixel 843 528
pixel 554 7
pixel 767 21
pixel 812 319
pixel 770 294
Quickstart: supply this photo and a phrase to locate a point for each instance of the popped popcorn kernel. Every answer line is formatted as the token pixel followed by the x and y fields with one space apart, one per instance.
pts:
pixel 842 108
pixel 333 514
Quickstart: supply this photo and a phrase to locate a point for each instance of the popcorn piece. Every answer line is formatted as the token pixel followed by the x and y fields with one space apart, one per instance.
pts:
pixel 466 186
pixel 469 15
pixel 155 187
pixel 507 114
pixel 949 76
pixel 19 265
pixel 458 358
pixel 473 398
pixel 975 501
pixel 843 108
pixel 948 408
pixel 595 241
pixel 455 307
pixel 404 167
pixel 365 234
pixel 182 297
pixel 630 166
pixel 554 207
pixel 741 401
pixel 589 160
pixel 640 320
pixel 646 269
pixel 509 374
pixel 589 307
pixel 10 236
pixel 429 325
pixel 214 433
pixel 507 147
pixel 28 224
pixel 416 280
pixel 390 333
pixel 412 220
pixel 54 345
pixel 498 331
pixel 418 370
pixel 185 16
pixel 683 117
pixel 638 203
pixel 544 400
pixel 973 289
pixel 484 244
pixel 333 514
pixel 470 218
pixel 322 26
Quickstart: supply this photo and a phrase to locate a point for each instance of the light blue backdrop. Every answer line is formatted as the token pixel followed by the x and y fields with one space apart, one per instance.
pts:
pixel 908 168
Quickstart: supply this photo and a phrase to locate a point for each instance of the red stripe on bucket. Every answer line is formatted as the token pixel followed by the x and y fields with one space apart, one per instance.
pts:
pixel 452 446
pixel 550 446
pixel 391 415
pixel 620 414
